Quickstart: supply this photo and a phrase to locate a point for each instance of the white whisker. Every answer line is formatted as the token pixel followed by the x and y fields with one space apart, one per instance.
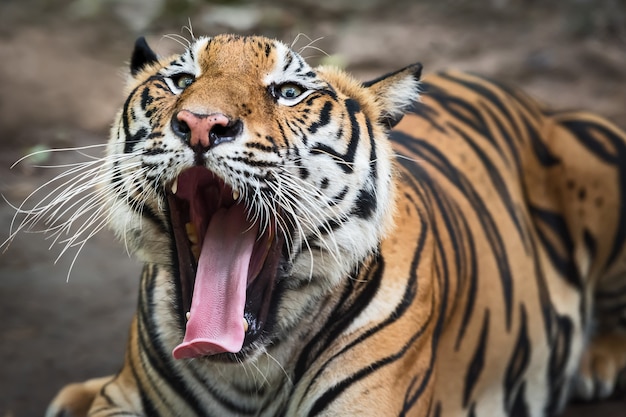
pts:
pixel 43 151
pixel 179 39
pixel 400 156
pixel 189 28
pixel 78 192
pixel 282 368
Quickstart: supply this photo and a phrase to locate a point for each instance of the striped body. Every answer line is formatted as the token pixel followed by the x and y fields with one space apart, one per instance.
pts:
pixel 503 261
pixel 525 209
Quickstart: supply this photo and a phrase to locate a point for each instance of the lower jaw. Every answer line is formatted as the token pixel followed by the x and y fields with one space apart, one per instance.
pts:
pixel 261 297
pixel 261 293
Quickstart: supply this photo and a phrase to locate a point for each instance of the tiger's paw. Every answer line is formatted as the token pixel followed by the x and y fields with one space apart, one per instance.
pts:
pixel 75 400
pixel 601 368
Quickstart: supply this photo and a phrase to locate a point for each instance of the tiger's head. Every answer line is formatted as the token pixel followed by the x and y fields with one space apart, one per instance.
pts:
pixel 259 181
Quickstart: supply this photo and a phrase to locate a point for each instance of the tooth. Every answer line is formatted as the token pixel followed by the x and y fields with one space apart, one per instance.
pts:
pixel 245 325
pixel 192 234
pixel 235 195
pixel 175 186
pixel 195 249
pixel 188 315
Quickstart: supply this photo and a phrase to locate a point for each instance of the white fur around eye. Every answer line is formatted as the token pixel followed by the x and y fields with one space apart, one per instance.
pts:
pixel 290 68
pixel 172 86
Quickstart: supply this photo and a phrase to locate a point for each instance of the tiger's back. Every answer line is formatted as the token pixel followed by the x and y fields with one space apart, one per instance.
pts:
pixel 524 208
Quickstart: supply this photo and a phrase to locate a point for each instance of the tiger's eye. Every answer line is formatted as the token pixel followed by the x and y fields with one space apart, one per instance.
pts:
pixel 290 90
pixel 183 81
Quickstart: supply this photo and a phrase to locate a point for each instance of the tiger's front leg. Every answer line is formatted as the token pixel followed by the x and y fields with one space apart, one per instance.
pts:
pixel 93 398
pixel 75 400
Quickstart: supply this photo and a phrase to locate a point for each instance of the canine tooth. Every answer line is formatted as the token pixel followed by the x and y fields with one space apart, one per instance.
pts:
pixel 195 249
pixel 245 325
pixel 235 195
pixel 175 186
pixel 192 233
pixel 188 315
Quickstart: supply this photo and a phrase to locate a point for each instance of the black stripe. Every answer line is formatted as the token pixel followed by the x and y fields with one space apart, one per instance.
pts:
pixel 560 351
pixel 477 363
pixel 609 294
pixel 443 281
pixel 472 410
pixel 461 110
pixel 471 271
pixel 260 147
pixel 146 98
pixel 529 105
pixel 136 206
pixel 520 409
pixel 357 306
pixel 143 353
pixel 130 139
pixel 437 410
pixel 151 345
pixel 426 189
pixel 339 197
pixel 590 243
pixel 355 297
pixel 516 369
pixel 346 160
pixel 373 156
pixel 160 360
pixel 561 258
pixel 507 136
pixel 496 180
pixel 146 404
pixel 426 152
pixel 543 154
pixel 365 203
pixel 428 113
pixel 324 117
pixel 288 59
pixel 502 113
pixel 336 390
pixel 585 132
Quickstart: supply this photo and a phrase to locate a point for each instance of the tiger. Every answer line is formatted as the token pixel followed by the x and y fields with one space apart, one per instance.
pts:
pixel 315 245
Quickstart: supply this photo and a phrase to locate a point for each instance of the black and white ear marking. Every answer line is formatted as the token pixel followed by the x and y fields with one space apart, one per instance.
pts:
pixel 142 56
pixel 396 92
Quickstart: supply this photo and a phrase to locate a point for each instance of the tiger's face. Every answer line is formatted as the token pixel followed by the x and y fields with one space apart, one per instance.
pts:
pixel 259 182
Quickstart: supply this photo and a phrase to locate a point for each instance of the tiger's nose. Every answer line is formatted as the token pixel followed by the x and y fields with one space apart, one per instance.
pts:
pixel 204 131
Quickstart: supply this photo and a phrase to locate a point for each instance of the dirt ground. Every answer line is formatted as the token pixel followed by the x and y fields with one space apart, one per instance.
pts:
pixel 62 68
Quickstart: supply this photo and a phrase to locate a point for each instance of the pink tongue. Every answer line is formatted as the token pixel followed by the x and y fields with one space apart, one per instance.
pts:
pixel 219 293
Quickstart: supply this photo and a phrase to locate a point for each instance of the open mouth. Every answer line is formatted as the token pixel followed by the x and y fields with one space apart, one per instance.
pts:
pixel 226 265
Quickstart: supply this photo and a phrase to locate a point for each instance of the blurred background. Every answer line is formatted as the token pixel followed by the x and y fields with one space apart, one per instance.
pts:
pixel 62 69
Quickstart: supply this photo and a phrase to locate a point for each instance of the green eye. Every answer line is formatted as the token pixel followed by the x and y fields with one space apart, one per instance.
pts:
pixel 183 81
pixel 289 90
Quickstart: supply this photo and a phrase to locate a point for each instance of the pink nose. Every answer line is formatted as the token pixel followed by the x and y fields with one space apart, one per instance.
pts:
pixel 198 128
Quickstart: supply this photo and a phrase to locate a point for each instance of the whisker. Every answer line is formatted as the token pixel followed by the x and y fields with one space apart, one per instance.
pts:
pixel 400 156
pixel 189 29
pixel 177 38
pixel 269 355
pixel 78 191
pixel 43 151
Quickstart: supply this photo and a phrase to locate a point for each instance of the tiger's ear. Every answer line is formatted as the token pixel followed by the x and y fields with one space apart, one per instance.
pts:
pixel 142 56
pixel 396 92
